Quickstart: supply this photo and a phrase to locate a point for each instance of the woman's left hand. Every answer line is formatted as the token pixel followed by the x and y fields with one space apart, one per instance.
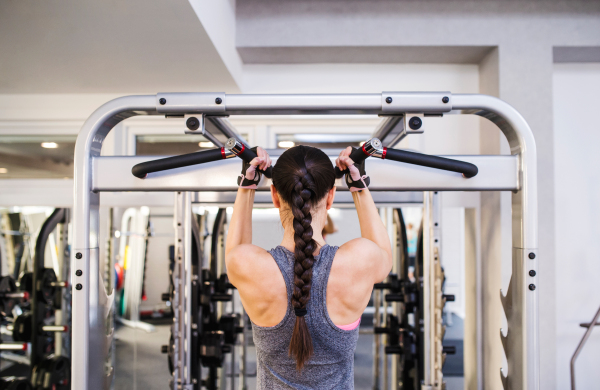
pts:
pixel 250 176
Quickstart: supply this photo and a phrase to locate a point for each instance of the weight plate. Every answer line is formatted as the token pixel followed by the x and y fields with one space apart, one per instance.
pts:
pixel 45 289
pixel 12 383
pixel 54 374
pixel 7 285
pixel 22 328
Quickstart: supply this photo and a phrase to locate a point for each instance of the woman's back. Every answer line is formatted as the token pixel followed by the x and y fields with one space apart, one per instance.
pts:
pixel 297 293
pixel 331 365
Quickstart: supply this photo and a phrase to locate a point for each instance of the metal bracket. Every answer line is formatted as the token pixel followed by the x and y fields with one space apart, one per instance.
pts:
pixel 202 130
pixel 428 102
pixel 414 124
pixel 186 103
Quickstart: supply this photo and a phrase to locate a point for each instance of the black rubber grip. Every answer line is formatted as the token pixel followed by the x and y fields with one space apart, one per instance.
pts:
pixel 142 169
pixel 357 156
pixel 248 155
pixel 446 164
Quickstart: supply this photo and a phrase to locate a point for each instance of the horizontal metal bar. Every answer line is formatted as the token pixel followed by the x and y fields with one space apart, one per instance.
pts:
pixel 496 173
pixel 342 199
pixel 223 104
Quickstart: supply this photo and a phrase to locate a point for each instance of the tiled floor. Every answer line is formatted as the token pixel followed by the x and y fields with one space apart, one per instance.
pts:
pixel 140 365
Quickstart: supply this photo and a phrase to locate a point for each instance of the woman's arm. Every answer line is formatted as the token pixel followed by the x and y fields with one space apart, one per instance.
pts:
pixel 371 225
pixel 240 226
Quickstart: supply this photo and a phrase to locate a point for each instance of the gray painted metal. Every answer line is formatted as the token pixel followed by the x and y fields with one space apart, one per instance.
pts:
pixel 182 309
pixel 89 312
pixel 496 173
pixel 343 199
pixel 225 127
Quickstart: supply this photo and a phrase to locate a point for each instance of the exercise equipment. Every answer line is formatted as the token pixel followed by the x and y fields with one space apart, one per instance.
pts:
pixel 516 173
pixel 45 288
pixel 52 373
pixel 44 296
pixel 9 295
pixel 214 333
pixel 12 383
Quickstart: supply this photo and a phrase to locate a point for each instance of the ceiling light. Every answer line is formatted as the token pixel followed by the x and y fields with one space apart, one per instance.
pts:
pixel 286 144
pixel 49 145
pixel 206 144
pixel 3 170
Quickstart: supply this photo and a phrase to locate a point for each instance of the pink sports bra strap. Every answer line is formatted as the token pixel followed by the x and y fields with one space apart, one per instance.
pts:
pixel 352 326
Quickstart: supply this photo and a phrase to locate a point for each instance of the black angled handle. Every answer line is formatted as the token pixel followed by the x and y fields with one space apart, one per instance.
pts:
pixel 142 169
pixel 467 169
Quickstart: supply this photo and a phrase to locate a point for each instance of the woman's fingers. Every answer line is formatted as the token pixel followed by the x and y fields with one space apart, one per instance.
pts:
pixel 257 161
pixel 266 159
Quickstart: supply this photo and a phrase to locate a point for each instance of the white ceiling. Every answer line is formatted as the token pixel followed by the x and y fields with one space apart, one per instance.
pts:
pixel 83 46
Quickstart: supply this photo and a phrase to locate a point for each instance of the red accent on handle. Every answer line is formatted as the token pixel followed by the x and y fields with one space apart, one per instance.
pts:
pixel 25 295
pixel 65 328
pixel 384 153
pixel 242 151
pixel 364 151
pixel 24 347
pixel 223 153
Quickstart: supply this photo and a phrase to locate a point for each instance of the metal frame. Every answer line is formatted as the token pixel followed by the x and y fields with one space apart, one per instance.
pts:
pixel 520 302
pixel 182 308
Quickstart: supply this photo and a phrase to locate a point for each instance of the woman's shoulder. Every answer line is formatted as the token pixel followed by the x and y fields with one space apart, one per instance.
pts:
pixel 245 259
pixel 356 256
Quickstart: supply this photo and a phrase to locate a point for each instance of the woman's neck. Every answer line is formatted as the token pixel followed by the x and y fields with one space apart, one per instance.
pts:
pixel 289 244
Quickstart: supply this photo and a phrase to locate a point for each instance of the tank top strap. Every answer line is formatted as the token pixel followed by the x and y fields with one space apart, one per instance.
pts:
pixel 321 270
pixel 285 261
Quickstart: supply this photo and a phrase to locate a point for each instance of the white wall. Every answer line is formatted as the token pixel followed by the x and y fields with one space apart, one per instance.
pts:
pixel 577 186
pixel 448 135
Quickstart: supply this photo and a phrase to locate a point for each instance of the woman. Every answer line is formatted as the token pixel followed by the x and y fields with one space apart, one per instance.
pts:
pixel 304 297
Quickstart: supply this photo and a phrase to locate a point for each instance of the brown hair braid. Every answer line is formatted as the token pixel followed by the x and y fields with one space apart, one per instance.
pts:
pixel 302 177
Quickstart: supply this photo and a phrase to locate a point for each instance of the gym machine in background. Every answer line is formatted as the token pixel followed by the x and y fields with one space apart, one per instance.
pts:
pixel 36 314
pixel 207 322
pixel 405 112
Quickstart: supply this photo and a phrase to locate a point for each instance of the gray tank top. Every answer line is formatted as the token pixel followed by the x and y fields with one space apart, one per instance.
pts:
pixel 332 364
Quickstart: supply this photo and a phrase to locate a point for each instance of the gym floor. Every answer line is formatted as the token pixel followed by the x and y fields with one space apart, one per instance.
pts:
pixel 139 363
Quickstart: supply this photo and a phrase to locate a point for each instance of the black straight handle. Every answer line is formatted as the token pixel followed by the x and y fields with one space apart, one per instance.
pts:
pixel 467 169
pixel 142 169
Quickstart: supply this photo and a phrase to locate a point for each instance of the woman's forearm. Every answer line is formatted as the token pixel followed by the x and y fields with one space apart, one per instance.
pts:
pixel 240 226
pixel 371 226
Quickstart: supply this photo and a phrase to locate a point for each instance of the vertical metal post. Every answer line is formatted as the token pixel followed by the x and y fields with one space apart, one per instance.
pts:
pixel 436 298
pixel 389 224
pixel 393 230
pixel 222 306
pixel 376 339
pixel 243 357
pixel 427 285
pixel 61 344
pixel 182 375
pixel 232 362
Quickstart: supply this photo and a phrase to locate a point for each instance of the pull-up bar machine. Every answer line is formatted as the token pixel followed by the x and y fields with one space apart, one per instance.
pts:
pixel 404 112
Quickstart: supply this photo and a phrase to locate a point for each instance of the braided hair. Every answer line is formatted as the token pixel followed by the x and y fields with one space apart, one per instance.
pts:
pixel 302 177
